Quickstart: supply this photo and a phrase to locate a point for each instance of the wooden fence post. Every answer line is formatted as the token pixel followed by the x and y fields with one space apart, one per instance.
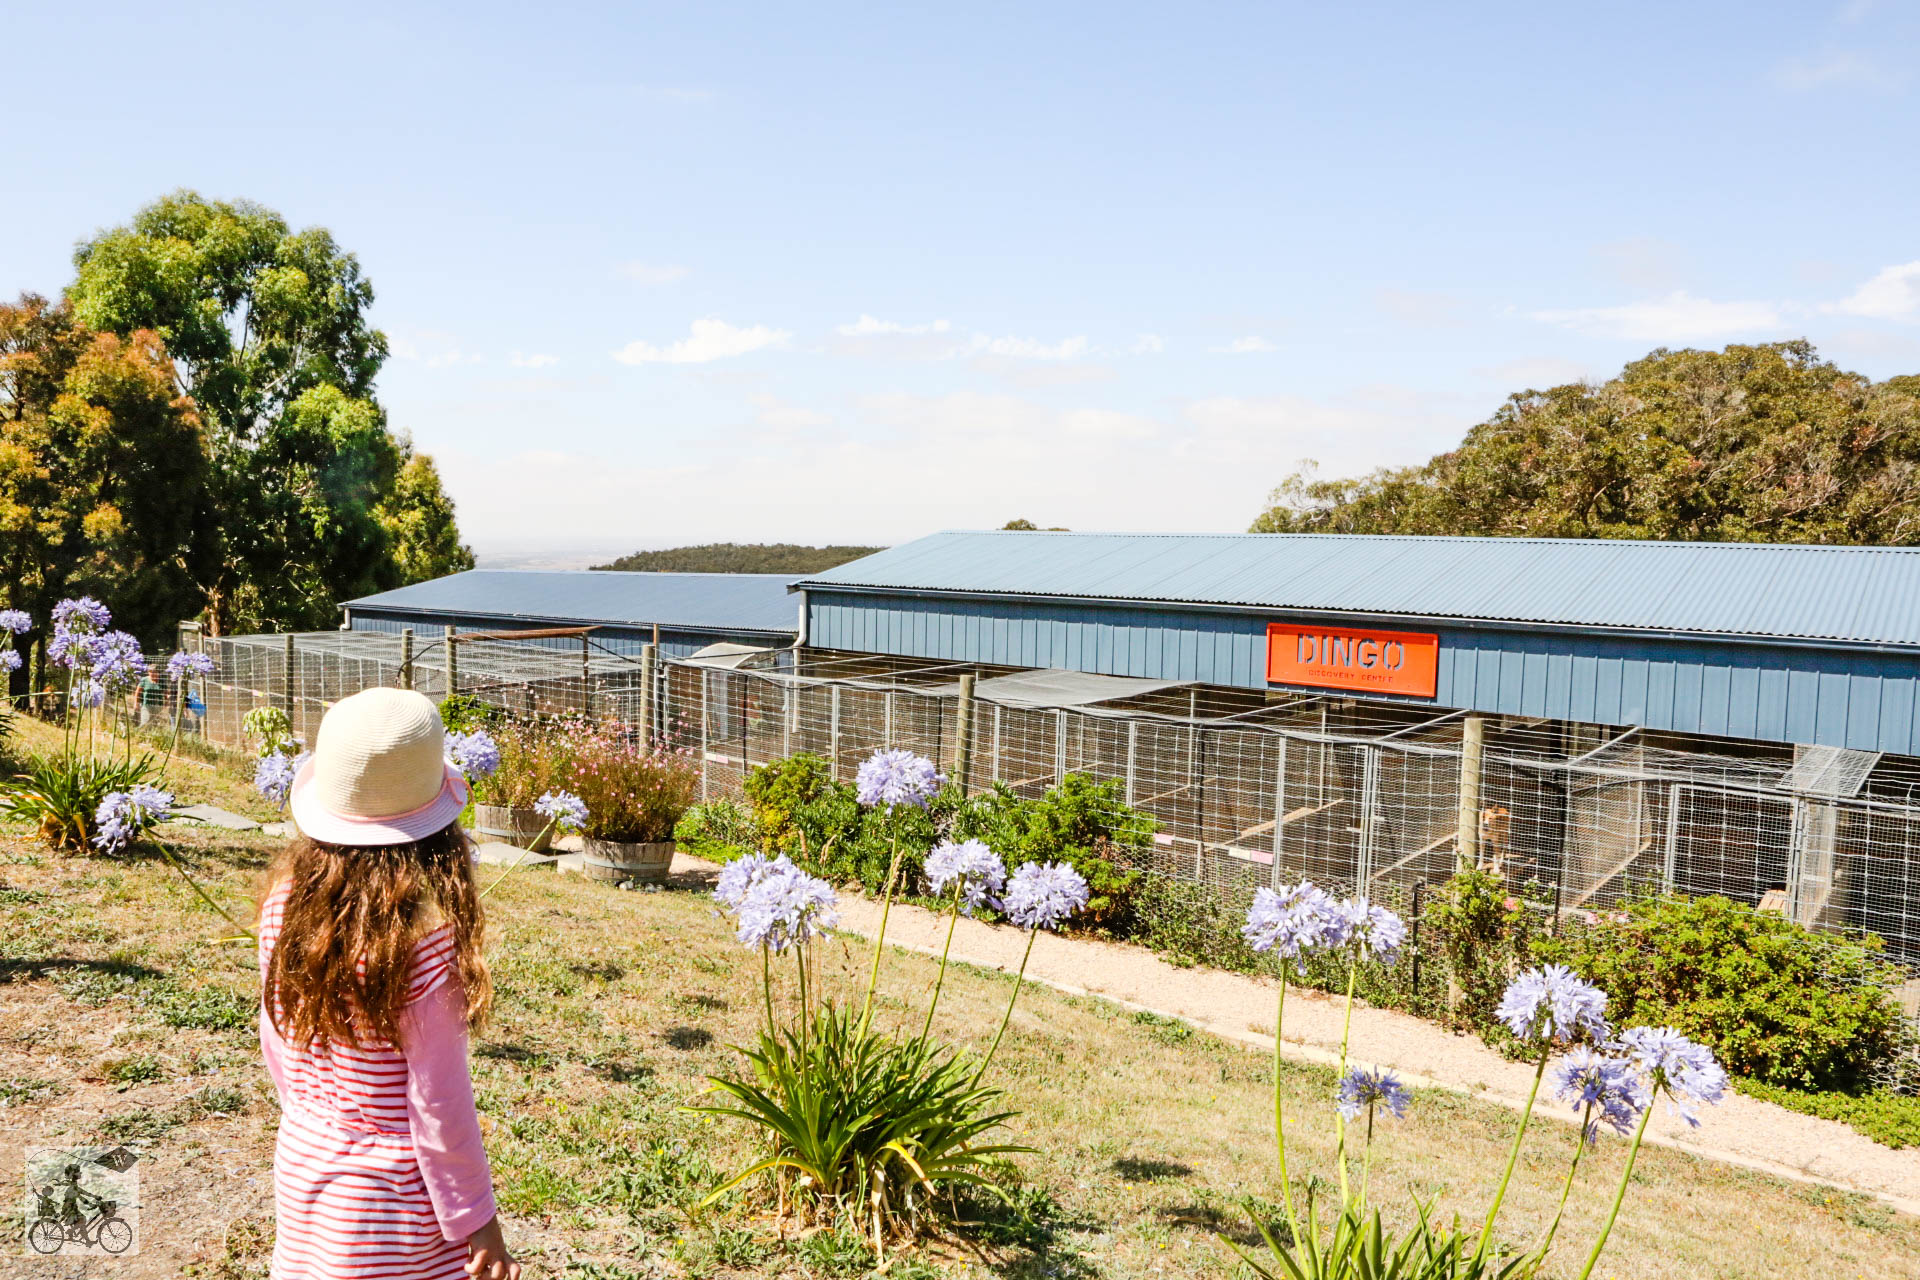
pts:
pixel 963 739
pixel 406 657
pixel 1466 842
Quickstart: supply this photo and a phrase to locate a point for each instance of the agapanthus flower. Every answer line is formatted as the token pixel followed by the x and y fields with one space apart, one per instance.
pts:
pixel 123 815
pixel 1552 1003
pixel 70 648
pixel 565 810
pixel 1291 921
pixel 740 875
pixel 1609 1086
pixel 273 775
pixel 92 693
pixel 1370 927
pixel 1674 1065
pixel 82 614
pixel 976 869
pixel 15 620
pixel 475 754
pixel 897 778
pixel 183 665
pixel 784 908
pixel 1044 895
pixel 115 661
pixel 9 660
pixel 1360 1089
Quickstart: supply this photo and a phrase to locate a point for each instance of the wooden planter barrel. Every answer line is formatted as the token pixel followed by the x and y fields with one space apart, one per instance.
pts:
pixel 617 860
pixel 515 826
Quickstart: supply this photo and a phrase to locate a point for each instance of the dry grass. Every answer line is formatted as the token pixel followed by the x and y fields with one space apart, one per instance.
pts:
pixel 119 1016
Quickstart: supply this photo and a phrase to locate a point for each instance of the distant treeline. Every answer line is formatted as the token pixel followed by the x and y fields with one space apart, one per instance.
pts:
pixel 740 557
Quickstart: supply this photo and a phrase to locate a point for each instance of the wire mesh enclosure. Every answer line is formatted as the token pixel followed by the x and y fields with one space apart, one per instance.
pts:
pixel 1244 789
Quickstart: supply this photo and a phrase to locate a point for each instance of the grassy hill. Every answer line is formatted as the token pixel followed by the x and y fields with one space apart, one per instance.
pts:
pixel 740 557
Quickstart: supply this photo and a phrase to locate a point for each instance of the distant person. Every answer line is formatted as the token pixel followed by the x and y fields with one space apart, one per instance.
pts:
pixel 153 697
pixel 379 1169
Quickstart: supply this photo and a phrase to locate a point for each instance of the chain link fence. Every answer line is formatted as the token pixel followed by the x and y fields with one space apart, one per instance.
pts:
pixel 1246 788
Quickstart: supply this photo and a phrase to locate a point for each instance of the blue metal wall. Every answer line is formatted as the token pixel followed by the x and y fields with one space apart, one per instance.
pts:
pixel 1858 698
pixel 674 642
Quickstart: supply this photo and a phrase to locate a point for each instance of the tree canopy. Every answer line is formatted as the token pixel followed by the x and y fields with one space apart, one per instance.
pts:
pixel 309 496
pixel 1765 443
pixel 740 557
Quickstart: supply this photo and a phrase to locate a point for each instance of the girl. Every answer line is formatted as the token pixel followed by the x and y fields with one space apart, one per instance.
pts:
pixel 371 975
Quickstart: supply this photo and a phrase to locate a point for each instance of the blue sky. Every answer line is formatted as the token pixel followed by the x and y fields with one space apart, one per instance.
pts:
pixel 668 273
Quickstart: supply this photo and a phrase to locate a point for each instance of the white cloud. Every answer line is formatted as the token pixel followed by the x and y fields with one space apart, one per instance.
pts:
pixel 708 339
pixel 868 327
pixel 1148 344
pixel 787 417
pixel 650 272
pixel 1248 345
pixel 1841 68
pixel 534 360
pixel 1678 317
pixel 1893 294
pixel 1030 348
pixel 431 347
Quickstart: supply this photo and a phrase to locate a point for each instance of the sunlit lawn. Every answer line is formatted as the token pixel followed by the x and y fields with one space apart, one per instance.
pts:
pixel 121 1019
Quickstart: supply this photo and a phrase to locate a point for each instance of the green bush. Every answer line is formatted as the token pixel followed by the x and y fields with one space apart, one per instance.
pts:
pixel 781 790
pixel 1193 924
pixel 1482 932
pixel 1081 821
pixel 1778 1002
pixel 718 831
pixel 463 713
pixel 59 795
pixel 1889 1118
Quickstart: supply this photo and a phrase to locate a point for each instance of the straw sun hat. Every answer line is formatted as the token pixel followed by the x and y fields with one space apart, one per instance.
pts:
pixel 379 773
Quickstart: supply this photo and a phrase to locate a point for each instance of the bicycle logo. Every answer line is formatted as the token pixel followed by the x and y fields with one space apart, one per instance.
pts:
pixel 80 1199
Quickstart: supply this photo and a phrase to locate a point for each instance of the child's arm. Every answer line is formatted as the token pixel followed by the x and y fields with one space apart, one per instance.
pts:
pixel 440 1111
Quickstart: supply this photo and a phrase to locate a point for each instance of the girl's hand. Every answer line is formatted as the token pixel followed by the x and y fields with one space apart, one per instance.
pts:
pixel 487 1256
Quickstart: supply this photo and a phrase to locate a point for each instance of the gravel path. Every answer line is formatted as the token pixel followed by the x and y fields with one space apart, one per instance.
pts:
pixel 1742 1130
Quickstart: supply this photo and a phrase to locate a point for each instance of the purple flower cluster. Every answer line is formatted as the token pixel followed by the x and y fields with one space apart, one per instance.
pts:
pixel 974 868
pixel 785 907
pixel 1290 921
pixel 738 877
pixel 1045 895
pixel 1552 1003
pixel 1303 918
pixel 9 660
pixel 567 811
pixel 115 661
pixel 183 665
pixel 82 614
pixel 273 775
pixel 1609 1086
pixel 1361 1090
pixel 475 754
pixel 1674 1065
pixel 123 815
pixel 16 621
pixel 1370 927
pixel 897 778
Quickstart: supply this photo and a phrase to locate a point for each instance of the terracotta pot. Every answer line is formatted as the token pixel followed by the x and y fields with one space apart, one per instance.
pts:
pixel 617 860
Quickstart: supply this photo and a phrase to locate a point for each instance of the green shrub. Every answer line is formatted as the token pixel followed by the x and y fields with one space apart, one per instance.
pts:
pixel 1081 821
pixel 463 713
pixel 1778 1002
pixel 780 790
pixel 1481 931
pixel 719 831
pixel 1889 1118
pixel 59 795
pixel 1193 924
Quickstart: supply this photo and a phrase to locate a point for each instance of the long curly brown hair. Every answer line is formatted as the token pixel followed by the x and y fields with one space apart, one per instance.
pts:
pixel 339 969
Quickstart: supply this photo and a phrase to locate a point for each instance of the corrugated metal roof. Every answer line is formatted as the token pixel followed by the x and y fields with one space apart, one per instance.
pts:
pixel 720 601
pixel 1860 595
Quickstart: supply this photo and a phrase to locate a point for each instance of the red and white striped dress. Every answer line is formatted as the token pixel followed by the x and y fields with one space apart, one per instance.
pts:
pixel 379 1172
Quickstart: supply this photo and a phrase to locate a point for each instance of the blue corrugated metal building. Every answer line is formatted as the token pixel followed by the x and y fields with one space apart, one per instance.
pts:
pixel 1788 644
pixel 691 610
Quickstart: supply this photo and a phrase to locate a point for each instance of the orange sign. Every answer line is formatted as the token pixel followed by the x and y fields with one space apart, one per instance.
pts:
pixel 1343 658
